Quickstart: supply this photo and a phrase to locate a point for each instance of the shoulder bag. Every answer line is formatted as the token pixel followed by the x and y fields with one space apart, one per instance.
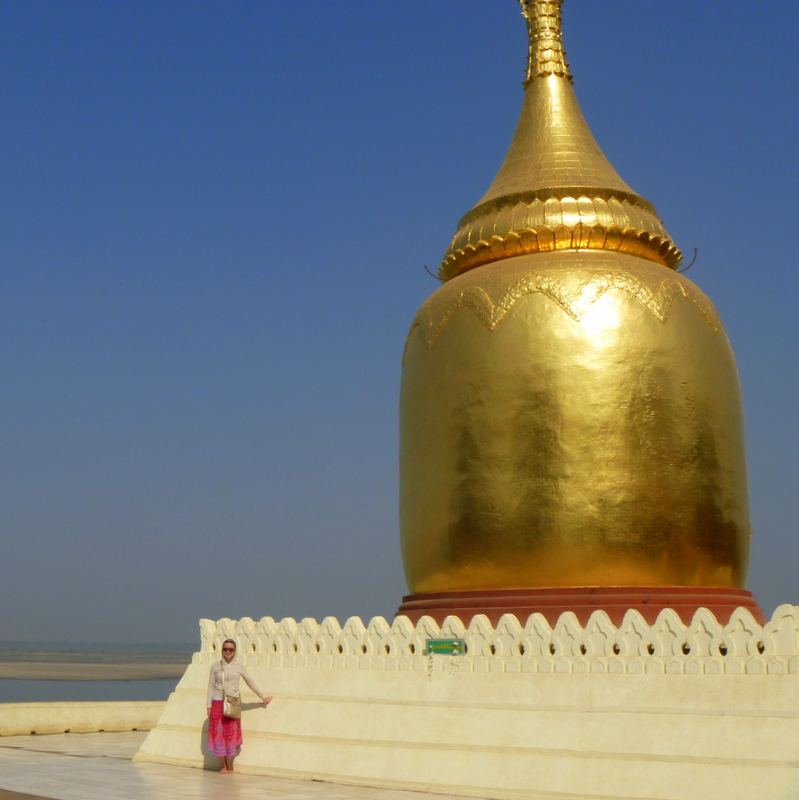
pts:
pixel 231 706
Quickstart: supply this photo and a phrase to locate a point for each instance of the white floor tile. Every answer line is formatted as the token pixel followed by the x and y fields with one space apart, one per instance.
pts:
pixel 98 766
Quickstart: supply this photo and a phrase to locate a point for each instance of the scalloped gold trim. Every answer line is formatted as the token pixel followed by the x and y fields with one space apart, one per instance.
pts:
pixel 492 292
pixel 538 225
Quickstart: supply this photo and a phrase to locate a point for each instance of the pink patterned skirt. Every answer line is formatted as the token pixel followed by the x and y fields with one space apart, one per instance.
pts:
pixel 224 733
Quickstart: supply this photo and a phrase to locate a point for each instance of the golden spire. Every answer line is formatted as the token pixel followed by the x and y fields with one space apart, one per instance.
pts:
pixel 571 420
pixel 555 189
pixel 546 56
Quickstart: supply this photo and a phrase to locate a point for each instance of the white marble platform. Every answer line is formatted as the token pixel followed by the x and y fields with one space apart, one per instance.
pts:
pixel 98 766
pixel 671 710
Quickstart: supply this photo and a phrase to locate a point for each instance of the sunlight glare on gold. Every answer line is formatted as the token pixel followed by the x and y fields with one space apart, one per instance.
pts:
pixel 604 317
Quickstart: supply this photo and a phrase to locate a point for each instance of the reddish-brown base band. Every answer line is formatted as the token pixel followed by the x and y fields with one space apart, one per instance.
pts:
pixel 582 600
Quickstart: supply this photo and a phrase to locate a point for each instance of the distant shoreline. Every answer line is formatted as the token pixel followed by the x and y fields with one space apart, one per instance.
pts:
pixel 53 671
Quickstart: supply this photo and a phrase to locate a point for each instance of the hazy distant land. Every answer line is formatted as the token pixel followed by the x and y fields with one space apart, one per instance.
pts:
pixel 50 664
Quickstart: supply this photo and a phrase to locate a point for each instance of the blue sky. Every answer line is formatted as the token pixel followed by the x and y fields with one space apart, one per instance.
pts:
pixel 214 220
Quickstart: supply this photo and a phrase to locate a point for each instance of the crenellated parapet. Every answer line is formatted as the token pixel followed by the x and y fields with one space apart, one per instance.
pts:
pixel 679 711
pixel 666 647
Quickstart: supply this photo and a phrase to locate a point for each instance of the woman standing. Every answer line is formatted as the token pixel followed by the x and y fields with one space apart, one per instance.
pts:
pixel 224 733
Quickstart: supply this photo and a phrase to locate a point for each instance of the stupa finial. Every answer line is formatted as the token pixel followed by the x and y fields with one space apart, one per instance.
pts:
pixel 555 190
pixel 546 56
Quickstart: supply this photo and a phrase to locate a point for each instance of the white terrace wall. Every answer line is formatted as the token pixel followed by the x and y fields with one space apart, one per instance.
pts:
pixel 658 712
pixel 742 646
pixel 19 719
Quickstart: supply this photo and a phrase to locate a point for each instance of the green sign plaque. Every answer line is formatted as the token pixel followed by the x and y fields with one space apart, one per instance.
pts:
pixel 445 647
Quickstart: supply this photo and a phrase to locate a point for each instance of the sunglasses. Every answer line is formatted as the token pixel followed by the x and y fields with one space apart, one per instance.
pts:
pixel 228 649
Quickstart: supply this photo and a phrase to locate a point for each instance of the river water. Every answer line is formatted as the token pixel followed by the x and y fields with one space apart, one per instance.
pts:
pixel 49 691
pixel 22 691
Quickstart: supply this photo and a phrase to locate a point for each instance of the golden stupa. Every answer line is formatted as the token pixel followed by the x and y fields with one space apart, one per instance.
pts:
pixel 571 413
